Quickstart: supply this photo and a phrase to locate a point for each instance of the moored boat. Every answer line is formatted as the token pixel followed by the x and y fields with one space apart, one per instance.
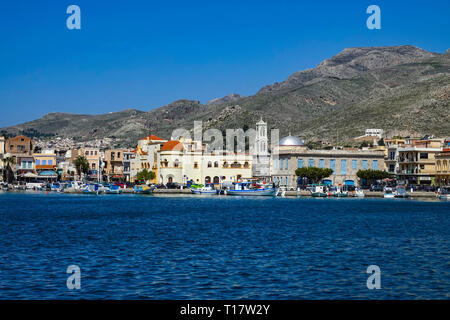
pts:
pixel 388 193
pixel 252 189
pixel 319 191
pixel 114 189
pixel 92 189
pixel 199 189
pixel 445 193
pixel 142 189
pixel 401 193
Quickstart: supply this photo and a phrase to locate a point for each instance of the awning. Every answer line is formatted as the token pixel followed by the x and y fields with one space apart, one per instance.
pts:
pixel 349 182
pixel 48 174
pixel 327 182
pixel 29 175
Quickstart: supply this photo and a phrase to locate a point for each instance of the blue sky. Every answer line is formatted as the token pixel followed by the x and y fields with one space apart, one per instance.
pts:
pixel 145 54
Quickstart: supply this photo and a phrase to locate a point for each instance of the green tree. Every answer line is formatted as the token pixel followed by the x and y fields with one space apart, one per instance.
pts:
pixel 145 175
pixel 372 175
pixel 8 174
pixel 381 142
pixel 82 165
pixel 314 173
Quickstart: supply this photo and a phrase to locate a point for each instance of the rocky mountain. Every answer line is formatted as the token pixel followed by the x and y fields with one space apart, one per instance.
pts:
pixel 229 98
pixel 403 89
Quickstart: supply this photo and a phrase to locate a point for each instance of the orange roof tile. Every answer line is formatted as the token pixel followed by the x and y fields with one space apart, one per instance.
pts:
pixel 151 137
pixel 172 145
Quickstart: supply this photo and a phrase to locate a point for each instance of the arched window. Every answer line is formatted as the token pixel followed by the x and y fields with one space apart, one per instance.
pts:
pixel 209 164
pixel 207 179
pixel 246 165
pixel 216 179
pixel 225 164
pixel 176 163
pixel 216 164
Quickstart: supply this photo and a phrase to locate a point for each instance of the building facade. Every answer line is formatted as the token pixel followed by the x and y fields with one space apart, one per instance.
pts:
pixel 182 160
pixel 443 165
pixel 417 160
pixel 113 164
pixel 293 154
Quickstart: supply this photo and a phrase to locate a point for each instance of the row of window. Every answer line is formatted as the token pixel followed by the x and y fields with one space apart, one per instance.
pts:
pixel 343 167
pixel 283 164
pixel 44 162
pixel 281 180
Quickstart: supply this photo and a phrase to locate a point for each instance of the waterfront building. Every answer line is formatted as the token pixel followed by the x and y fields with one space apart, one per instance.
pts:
pixel 391 157
pixel 417 160
pixel 113 164
pixel 44 161
pixel 186 160
pixel 128 160
pixel 145 156
pixel 443 165
pixel 345 163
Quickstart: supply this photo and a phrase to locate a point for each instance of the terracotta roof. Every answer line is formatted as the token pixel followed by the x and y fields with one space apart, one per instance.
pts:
pixel 172 145
pixel 151 137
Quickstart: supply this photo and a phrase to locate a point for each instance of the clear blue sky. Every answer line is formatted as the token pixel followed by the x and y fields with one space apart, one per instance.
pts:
pixel 145 54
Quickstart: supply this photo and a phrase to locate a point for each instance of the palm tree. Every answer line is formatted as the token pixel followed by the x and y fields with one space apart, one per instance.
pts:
pixel 8 174
pixel 82 165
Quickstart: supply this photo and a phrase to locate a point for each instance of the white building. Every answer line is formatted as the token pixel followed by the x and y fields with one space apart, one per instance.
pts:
pixel 183 160
pixel 374 133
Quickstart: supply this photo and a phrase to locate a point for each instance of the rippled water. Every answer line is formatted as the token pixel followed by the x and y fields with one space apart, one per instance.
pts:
pixel 156 247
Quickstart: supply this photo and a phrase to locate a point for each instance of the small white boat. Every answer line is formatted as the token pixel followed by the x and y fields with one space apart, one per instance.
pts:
pixel 114 189
pixel 388 193
pixel 445 193
pixel 358 193
pixel 319 191
pixel 401 193
pixel 204 190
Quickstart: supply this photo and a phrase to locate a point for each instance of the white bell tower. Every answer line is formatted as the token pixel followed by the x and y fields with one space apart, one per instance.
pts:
pixel 261 159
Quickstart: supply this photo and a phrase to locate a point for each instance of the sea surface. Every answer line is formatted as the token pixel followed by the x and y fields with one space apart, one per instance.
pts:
pixel 219 247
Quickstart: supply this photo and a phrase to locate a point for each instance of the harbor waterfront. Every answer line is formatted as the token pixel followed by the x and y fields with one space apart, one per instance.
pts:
pixel 200 247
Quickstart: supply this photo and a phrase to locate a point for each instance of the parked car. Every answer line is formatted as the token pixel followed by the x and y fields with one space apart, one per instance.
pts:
pixel 376 187
pixel 172 185
pixel 120 184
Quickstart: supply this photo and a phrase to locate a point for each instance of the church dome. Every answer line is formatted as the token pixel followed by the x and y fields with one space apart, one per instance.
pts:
pixel 291 141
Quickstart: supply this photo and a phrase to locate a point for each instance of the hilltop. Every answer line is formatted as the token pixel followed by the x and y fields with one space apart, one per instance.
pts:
pixel 401 89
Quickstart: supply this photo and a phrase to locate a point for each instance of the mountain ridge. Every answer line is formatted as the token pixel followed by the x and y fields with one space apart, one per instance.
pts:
pixel 358 87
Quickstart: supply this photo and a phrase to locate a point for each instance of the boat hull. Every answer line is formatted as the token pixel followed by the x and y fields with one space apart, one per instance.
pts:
pixel 203 191
pixel 258 192
pixel 319 194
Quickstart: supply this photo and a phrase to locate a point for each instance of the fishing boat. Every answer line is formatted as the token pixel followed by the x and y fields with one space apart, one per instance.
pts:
pixel 319 191
pixel 93 189
pixel 388 193
pixel 252 189
pixel 400 192
pixel 340 193
pixel 445 193
pixel 142 189
pixel 358 193
pixel 114 189
pixel 200 189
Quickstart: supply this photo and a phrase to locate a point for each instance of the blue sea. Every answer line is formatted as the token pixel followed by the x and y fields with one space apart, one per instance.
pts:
pixel 219 247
